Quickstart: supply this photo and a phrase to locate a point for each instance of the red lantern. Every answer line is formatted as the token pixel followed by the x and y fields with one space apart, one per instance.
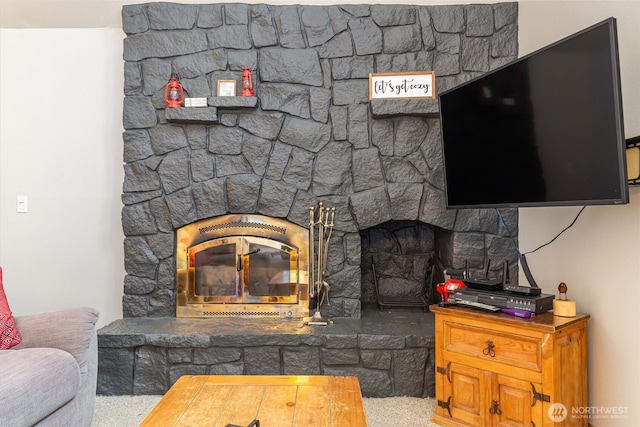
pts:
pixel 247 83
pixel 174 93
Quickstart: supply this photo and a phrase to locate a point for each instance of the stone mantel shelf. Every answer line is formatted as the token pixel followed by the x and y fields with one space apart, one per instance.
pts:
pixel 382 108
pixel 209 115
pixel 233 101
pixel 192 115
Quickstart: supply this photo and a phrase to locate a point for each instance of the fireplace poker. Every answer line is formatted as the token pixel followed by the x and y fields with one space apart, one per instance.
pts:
pixel 320 244
pixel 312 226
pixel 328 225
pixel 323 249
pixel 323 222
pixel 324 286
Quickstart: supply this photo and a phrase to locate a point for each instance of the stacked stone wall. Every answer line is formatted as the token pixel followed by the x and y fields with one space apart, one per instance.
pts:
pixel 313 136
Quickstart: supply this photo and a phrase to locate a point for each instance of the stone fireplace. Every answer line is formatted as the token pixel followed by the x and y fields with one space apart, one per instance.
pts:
pixel 310 135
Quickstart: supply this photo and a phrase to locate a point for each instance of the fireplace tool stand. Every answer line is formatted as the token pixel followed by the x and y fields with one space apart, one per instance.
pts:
pixel 319 288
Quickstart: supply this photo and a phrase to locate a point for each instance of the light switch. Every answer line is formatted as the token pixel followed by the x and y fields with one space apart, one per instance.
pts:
pixel 22 204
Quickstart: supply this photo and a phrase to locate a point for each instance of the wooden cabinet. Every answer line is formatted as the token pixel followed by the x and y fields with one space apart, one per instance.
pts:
pixel 493 369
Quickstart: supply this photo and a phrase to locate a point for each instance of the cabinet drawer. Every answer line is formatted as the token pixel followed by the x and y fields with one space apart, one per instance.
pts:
pixel 502 347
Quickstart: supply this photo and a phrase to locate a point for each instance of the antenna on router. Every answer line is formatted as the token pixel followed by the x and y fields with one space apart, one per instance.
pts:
pixel 486 270
pixel 505 272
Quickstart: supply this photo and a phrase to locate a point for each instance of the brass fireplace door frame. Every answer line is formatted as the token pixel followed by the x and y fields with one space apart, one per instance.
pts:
pixel 241 230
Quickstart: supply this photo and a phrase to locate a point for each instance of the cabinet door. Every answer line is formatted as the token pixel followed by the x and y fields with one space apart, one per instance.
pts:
pixel 465 390
pixel 511 402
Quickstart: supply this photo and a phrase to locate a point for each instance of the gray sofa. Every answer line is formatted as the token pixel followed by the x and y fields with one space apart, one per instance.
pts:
pixel 49 379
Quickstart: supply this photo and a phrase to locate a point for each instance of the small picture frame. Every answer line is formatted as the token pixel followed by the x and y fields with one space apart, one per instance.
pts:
pixel 226 88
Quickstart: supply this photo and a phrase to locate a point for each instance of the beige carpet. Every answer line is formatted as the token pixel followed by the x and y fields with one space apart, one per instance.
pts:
pixel 129 411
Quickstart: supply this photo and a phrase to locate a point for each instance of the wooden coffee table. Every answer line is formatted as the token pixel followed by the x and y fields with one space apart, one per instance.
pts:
pixel 274 400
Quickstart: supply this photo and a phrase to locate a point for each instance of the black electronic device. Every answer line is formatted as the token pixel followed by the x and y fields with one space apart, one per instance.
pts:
pixel 525 290
pixel 484 283
pixel 536 304
pixel 544 130
pixel 532 289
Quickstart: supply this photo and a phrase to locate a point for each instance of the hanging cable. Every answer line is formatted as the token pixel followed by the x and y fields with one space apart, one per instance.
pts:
pixel 508 231
pixel 543 245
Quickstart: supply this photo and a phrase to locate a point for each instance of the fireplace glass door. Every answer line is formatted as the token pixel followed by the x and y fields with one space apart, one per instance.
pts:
pixel 243 269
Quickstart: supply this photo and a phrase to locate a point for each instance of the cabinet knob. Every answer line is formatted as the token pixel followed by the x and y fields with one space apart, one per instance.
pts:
pixel 495 408
pixel 490 350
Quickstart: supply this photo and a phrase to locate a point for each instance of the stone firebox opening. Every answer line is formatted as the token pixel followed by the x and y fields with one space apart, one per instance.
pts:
pixel 411 257
pixel 404 254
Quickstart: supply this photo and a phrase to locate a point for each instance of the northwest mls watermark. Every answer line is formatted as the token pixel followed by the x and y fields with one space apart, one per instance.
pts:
pixel 558 412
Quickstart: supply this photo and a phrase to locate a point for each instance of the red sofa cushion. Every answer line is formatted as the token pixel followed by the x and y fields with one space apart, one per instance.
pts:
pixel 9 335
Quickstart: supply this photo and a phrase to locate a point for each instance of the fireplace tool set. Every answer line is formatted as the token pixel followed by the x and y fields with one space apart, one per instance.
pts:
pixel 318 287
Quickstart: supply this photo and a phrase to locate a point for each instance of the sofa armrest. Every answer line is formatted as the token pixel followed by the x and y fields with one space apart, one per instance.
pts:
pixel 70 329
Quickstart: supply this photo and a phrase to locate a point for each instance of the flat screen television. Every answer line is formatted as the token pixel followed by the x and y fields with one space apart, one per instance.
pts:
pixel 544 130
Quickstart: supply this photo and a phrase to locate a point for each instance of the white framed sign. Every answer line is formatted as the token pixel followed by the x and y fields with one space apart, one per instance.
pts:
pixel 413 84
pixel 226 88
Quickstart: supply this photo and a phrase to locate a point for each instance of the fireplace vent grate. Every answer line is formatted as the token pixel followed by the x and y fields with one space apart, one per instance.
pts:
pixel 241 313
pixel 243 224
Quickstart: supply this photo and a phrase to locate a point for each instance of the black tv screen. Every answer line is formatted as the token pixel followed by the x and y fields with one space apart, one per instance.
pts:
pixel 544 130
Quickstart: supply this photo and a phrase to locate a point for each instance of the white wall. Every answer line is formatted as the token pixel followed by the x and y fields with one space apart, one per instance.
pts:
pixel 61 145
pixel 106 13
pixel 61 108
pixel 599 257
